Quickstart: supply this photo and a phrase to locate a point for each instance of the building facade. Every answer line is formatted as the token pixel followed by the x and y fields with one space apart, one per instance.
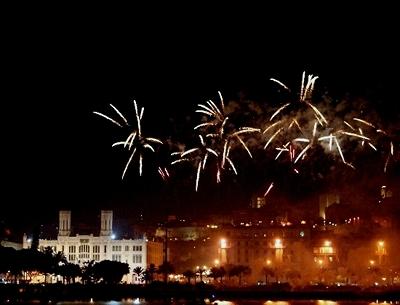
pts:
pixel 79 249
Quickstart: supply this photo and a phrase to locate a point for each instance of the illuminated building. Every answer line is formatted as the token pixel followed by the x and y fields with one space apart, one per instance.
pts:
pixel 79 249
pixel 325 252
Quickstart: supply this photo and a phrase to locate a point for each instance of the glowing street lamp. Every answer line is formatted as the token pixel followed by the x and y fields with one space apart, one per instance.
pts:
pixel 223 243
pixel 371 263
pixel 278 243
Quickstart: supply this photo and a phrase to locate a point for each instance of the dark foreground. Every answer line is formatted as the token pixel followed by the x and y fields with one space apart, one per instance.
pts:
pixel 13 294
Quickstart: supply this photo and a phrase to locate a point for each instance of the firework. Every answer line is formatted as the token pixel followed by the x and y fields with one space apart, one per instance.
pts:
pixel 135 143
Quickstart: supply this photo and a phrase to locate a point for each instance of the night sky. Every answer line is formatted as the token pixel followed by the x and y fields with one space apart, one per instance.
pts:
pixel 56 71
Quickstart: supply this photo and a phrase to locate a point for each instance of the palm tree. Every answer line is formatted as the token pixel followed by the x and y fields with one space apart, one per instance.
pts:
pixel 139 271
pixel 151 270
pixel 217 272
pixel 165 269
pixel 267 271
pixel 189 274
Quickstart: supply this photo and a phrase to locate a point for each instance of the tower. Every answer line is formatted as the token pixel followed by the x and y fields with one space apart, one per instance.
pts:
pixel 106 223
pixel 64 228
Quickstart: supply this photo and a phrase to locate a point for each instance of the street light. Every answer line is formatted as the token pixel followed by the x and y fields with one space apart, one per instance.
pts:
pixel 223 243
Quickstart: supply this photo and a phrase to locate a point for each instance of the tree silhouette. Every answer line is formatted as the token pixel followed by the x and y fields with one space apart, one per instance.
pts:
pixel 165 269
pixel 189 274
pixel 139 271
pixel 111 272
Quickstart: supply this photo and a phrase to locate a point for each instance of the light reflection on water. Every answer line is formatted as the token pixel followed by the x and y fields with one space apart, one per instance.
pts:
pixel 137 301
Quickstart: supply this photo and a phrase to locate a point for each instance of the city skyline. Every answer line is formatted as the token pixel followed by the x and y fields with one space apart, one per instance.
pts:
pixel 59 154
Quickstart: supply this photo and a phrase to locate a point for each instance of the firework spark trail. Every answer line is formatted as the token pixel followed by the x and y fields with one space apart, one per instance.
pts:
pixel 107 118
pixel 269 189
pixel 271 126
pixel 352 128
pixel 200 155
pixel 216 130
pixel 302 153
pixel 279 83
pixel 278 111
pixel 364 122
pixel 134 139
pixel 273 136
pixel 354 135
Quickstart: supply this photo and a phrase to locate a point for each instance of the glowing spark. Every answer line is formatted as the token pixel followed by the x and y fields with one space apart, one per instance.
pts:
pixel 204 161
pixel 364 122
pixel 273 136
pixel 352 128
pixel 232 165
pixel 245 146
pixel 179 160
pixel 222 101
pixel 107 118
pixel 381 131
pixel 271 126
pixel 189 151
pixel 269 189
pixel 204 125
pixel 301 140
pixel 391 148
pixel 279 110
pixel 372 146
pixel 198 176
pixel 314 129
pixel 361 133
pixel 119 113
pixel 386 164
pixel 302 153
pixel 140 164
pixel 127 163
pixel 354 135
pixel 279 83
pixel 340 150
pixel 321 116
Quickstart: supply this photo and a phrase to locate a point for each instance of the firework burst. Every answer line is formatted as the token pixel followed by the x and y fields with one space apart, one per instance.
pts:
pixel 135 142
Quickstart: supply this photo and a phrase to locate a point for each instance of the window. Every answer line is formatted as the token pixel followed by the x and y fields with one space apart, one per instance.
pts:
pixel 116 257
pixel 71 257
pixel 96 257
pixel 96 249
pixel 126 248
pixel 62 248
pixel 137 258
pixel 116 248
pixel 72 249
pixel 105 249
pixel 84 249
pixel 137 248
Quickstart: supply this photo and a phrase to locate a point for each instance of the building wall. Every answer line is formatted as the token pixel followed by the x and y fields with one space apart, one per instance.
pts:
pixel 84 248
pixel 155 254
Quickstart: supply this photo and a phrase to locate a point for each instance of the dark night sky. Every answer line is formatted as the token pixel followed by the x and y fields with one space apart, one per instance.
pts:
pixel 56 71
